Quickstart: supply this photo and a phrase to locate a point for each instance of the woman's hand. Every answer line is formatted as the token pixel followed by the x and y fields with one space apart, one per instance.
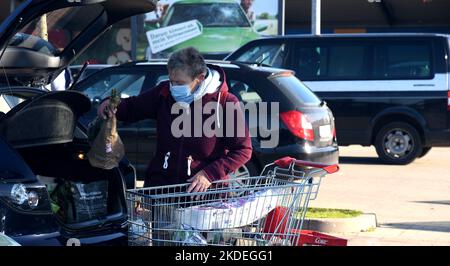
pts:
pixel 103 109
pixel 199 183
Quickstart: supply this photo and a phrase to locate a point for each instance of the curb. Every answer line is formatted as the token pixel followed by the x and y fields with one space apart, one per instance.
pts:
pixel 364 222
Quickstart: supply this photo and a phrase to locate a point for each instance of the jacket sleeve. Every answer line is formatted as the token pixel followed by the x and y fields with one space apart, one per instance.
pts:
pixel 239 147
pixel 139 107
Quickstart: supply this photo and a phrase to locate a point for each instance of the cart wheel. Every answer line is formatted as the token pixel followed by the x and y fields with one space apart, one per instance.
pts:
pixel 398 143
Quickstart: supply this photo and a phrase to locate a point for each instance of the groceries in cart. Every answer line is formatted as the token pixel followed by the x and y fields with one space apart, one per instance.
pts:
pixel 189 236
pixel 235 212
pixel 138 227
pixel 267 210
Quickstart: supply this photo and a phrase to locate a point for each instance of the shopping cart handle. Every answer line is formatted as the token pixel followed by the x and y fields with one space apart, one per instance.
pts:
pixel 286 161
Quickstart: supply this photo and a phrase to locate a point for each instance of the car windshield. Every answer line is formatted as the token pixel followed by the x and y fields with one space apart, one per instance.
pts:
pixel 128 85
pixel 52 32
pixel 209 15
pixel 295 89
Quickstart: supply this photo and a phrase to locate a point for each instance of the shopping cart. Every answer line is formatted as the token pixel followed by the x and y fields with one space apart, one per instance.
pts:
pixel 254 211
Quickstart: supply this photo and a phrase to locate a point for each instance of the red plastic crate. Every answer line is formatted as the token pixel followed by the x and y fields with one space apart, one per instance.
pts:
pixel 313 238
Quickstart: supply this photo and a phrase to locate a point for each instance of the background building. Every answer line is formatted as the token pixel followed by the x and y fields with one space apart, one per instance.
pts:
pixel 337 16
pixel 353 16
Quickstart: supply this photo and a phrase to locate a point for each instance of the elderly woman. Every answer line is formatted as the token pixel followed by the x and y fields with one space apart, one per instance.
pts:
pixel 196 160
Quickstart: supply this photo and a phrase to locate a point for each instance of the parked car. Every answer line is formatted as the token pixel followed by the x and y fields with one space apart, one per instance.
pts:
pixel 49 193
pixel 225 27
pixel 89 70
pixel 387 90
pixel 306 123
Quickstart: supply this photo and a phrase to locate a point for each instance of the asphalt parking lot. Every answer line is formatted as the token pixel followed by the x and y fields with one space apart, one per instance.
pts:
pixel 412 202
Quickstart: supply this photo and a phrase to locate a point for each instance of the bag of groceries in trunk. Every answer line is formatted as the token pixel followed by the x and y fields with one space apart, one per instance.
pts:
pixel 76 202
pixel 107 149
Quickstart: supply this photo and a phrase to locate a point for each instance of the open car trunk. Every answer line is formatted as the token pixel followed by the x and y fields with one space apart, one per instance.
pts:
pixel 43 37
pixel 82 196
pixel 45 132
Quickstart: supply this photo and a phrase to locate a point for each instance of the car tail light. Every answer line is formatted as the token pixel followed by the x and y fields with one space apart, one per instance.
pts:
pixel 334 131
pixel 298 124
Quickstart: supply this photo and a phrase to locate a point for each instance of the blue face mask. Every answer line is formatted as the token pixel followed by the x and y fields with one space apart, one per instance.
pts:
pixel 182 93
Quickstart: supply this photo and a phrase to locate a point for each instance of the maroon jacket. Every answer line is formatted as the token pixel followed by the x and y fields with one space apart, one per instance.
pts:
pixel 216 156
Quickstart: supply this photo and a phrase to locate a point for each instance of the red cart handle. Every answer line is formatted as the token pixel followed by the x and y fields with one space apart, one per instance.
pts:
pixel 286 161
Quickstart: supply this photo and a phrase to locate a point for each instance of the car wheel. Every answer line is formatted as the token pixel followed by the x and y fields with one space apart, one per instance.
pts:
pixel 425 151
pixel 241 174
pixel 398 143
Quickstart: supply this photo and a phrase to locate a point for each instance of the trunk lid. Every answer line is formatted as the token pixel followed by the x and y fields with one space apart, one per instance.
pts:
pixel 42 37
pixel 322 122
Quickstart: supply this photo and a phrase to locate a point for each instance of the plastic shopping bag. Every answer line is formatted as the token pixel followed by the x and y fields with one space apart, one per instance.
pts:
pixel 107 149
pixel 188 236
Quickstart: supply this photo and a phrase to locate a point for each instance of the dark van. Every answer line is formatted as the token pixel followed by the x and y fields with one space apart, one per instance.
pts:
pixel 387 90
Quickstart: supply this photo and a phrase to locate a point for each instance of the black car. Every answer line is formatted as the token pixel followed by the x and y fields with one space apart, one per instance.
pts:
pixel 387 90
pixel 49 193
pixel 306 124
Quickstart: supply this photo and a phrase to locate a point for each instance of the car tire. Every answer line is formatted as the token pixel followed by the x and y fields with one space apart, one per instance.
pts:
pixel 398 143
pixel 247 170
pixel 250 169
pixel 425 151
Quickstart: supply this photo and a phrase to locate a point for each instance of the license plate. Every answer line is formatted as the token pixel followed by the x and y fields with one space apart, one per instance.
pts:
pixel 325 132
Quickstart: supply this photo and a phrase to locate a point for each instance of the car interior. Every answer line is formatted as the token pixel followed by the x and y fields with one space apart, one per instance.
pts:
pixel 43 130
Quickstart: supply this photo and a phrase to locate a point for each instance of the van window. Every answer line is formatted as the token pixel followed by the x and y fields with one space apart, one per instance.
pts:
pixel 309 65
pixel 269 54
pixel 402 61
pixel 346 62
pixel 331 62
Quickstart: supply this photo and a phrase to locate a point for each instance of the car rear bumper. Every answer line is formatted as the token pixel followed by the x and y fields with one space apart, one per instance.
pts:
pixel 326 155
pixel 110 238
pixel 439 138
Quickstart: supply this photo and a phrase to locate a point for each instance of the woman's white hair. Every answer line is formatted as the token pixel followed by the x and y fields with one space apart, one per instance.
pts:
pixel 189 60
